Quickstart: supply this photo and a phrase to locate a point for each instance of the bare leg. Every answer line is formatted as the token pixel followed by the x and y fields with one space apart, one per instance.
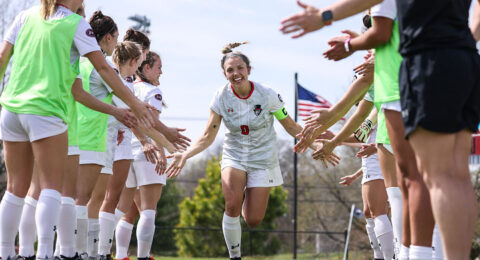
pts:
pixel 115 186
pixel 443 161
pixel 420 210
pixel 255 205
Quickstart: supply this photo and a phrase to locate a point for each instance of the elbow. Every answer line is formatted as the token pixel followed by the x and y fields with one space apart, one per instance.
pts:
pixel 383 37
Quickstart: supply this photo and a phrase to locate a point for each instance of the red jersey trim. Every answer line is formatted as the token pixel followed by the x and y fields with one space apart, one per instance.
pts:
pixel 249 95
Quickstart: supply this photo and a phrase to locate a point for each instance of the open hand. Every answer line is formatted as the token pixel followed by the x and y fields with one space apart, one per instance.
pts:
pixel 126 117
pixel 177 164
pixel 367 150
pixel 308 20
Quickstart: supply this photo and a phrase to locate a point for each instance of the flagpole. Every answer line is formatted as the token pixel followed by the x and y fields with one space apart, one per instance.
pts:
pixel 295 176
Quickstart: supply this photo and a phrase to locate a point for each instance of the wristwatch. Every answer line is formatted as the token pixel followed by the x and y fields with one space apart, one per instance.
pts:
pixel 327 17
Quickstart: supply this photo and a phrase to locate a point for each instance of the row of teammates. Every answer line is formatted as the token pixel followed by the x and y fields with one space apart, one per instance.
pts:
pixel 76 98
pixel 107 115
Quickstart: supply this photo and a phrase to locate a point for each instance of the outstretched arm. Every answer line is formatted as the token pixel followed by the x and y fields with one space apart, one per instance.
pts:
pixel 179 159
pixel 310 19
pixel 475 27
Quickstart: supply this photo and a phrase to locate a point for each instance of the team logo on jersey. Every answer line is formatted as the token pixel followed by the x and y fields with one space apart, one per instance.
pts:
pixel 90 33
pixel 280 98
pixel 230 110
pixel 257 110
pixel 158 97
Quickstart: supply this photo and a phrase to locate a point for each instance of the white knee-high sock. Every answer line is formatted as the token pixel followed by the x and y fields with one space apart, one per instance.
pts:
pixel 107 227
pixel 67 225
pixel 118 215
pixel 420 252
pixel 384 233
pixel 46 218
pixel 395 199
pixel 377 253
pixel 404 252
pixel 27 231
pixel 145 232
pixel 232 231
pixel 93 230
pixel 123 234
pixel 437 244
pixel 82 229
pixel 11 209
pixel 56 253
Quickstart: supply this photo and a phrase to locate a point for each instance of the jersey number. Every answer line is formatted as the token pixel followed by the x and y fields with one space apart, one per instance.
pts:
pixel 245 129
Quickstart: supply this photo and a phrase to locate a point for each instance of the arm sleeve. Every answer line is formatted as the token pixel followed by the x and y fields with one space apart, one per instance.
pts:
pixel 215 103
pixel 84 39
pixel 155 99
pixel 276 101
pixel 386 9
pixel 14 30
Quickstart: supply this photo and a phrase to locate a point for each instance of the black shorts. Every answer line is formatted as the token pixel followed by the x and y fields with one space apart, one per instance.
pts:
pixel 440 90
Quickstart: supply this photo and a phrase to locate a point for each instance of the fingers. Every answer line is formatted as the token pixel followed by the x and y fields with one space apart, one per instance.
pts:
pixel 302 5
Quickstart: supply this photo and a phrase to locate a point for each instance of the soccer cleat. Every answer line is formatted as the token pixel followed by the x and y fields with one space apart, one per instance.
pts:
pixel 105 257
pixel 235 258
pixel 26 258
pixel 82 256
pixel 75 257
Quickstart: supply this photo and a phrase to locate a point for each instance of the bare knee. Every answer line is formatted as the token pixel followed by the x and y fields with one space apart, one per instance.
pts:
pixel 233 208
pixel 253 221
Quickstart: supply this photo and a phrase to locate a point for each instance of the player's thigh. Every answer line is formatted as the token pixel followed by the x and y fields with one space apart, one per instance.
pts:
pixel 375 194
pixel 19 172
pixel 388 166
pixel 255 205
pixel 150 195
pixel 70 177
pixel 233 186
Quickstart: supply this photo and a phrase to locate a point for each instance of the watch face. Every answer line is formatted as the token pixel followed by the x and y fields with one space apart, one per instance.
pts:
pixel 327 16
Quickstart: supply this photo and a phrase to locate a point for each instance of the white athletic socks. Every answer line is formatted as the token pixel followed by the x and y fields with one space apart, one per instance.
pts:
pixel 118 215
pixel 46 218
pixel 82 229
pixel 145 232
pixel 67 225
pixel 420 252
pixel 377 253
pixel 123 234
pixel 404 252
pixel 10 212
pixel 395 200
pixel 232 231
pixel 107 227
pixel 92 240
pixel 27 231
pixel 437 244
pixel 384 233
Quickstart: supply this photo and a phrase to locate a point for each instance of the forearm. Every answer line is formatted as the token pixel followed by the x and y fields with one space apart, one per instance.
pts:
pixel 5 55
pixel 201 144
pixel 160 139
pixel 475 27
pixel 92 102
pixel 356 91
pixel 354 122
pixel 346 8
pixel 358 174
pixel 369 40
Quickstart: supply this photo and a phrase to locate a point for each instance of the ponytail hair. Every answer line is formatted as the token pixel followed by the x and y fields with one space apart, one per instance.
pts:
pixel 125 51
pixel 228 53
pixel 48 8
pixel 149 60
pixel 138 37
pixel 102 25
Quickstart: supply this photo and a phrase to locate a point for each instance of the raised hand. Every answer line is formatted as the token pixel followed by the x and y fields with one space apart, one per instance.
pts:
pixel 180 141
pixel 150 152
pixel 367 67
pixel 161 164
pixel 312 129
pixel 308 20
pixel 325 151
pixel 177 164
pixel 338 51
pixel 348 180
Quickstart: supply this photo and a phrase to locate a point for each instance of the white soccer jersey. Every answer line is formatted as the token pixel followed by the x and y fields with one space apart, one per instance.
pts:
pixel 250 137
pixel 152 95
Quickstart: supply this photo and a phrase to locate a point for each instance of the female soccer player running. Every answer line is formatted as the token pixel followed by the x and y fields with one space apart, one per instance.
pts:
pixel 249 163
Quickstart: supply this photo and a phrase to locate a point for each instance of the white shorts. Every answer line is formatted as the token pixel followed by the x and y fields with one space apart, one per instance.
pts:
pixel 394 105
pixel 124 150
pixel 371 169
pixel 257 177
pixel 29 128
pixel 92 157
pixel 73 150
pixel 112 132
pixel 143 173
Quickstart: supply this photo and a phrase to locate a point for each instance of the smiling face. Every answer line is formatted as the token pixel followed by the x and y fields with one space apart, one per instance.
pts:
pixel 153 73
pixel 236 71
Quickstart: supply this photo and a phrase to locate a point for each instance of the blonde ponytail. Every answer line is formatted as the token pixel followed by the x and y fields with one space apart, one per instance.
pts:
pixel 48 8
pixel 228 48
pixel 125 51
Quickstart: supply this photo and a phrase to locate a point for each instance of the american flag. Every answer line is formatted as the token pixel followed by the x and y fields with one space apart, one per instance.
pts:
pixel 308 101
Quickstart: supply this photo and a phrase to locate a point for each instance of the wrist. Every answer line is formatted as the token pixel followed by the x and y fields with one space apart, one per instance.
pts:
pixel 327 17
pixel 348 46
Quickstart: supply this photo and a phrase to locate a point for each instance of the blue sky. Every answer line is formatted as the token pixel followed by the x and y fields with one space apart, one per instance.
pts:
pixel 189 35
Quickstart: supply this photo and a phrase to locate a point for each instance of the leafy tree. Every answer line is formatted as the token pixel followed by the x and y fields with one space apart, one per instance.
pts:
pixel 205 210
